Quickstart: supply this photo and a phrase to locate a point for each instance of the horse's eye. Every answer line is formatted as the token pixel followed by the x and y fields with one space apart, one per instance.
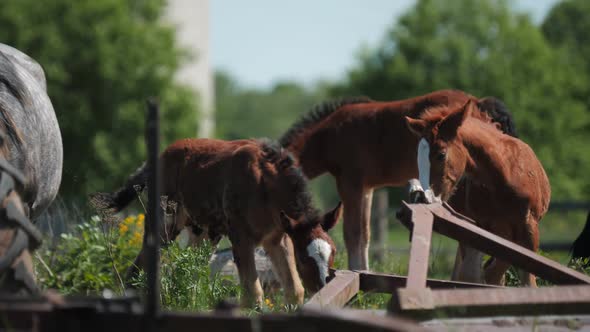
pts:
pixel 441 156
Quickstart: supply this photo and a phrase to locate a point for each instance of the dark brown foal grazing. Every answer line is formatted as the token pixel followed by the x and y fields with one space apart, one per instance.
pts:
pixel 366 145
pixel 251 191
pixel 507 191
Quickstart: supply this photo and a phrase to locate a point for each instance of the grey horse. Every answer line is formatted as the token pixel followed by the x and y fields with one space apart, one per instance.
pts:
pixel 31 158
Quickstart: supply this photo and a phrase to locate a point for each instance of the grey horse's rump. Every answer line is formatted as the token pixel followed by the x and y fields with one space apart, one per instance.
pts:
pixel 29 128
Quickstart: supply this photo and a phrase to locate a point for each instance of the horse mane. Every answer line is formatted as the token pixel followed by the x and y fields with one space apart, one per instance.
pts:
pixel 499 113
pixel 491 110
pixel 317 113
pixel 296 182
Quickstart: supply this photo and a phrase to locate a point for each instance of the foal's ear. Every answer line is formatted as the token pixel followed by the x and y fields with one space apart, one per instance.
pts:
pixel 416 126
pixel 331 218
pixel 287 223
pixel 450 124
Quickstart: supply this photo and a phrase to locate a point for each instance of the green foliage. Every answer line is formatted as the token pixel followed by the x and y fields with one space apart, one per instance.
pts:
pixel 481 47
pixel 102 60
pixel 95 257
pixel 567 24
pixel 250 113
pixel 92 258
pixel 186 281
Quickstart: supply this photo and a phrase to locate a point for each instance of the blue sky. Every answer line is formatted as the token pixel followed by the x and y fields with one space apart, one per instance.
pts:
pixel 260 42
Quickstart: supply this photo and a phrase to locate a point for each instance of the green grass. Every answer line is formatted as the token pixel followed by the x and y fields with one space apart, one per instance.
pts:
pixel 94 255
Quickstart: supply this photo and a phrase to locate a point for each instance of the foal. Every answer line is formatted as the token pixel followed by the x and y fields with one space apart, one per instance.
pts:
pixel 506 189
pixel 366 145
pixel 251 191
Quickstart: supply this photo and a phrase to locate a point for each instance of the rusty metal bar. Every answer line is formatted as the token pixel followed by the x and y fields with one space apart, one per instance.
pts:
pixel 388 283
pixel 492 302
pixel 422 221
pixel 460 228
pixel 337 292
pixel 344 320
pixel 152 225
pixel 97 316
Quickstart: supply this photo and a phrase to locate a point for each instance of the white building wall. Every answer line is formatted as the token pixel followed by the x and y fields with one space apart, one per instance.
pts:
pixel 191 18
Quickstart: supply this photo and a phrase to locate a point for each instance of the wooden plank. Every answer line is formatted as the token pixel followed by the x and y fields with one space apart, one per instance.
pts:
pixel 492 302
pixel 388 283
pixel 460 228
pixel 422 220
pixel 337 292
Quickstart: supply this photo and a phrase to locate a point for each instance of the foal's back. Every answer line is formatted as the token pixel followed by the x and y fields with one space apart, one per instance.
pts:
pixel 519 176
pixel 204 172
pixel 221 185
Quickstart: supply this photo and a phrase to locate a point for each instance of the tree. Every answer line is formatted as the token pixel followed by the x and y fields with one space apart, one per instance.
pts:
pixel 481 47
pixel 102 59
pixel 250 112
pixel 567 24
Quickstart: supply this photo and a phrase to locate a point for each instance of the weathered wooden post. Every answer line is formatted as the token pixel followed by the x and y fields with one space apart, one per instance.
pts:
pixel 380 225
pixel 152 226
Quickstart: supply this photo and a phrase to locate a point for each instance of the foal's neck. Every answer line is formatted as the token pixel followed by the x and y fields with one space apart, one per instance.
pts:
pixel 488 157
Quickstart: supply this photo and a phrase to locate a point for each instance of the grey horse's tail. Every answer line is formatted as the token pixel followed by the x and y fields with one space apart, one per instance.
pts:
pixel 118 200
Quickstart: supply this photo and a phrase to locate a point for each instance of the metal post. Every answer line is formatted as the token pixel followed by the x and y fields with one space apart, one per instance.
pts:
pixel 152 246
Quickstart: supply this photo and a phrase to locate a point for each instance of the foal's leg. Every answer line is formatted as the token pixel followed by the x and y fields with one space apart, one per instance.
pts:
pixel 456 274
pixel 529 238
pixel 357 226
pixel 244 259
pixel 470 270
pixel 282 255
pixel 495 268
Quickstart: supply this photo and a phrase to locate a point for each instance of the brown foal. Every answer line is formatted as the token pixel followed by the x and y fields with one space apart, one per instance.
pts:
pixel 506 190
pixel 366 145
pixel 251 191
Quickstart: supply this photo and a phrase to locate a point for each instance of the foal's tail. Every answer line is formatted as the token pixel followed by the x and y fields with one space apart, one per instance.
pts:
pixel 118 200
pixel 581 247
pixel 498 111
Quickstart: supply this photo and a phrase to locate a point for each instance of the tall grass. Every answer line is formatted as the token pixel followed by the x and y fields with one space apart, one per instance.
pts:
pixel 94 256
pixel 91 255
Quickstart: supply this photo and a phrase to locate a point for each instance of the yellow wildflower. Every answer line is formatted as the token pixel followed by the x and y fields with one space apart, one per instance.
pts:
pixel 141 217
pixel 123 229
pixel 136 239
pixel 129 220
pixel 268 303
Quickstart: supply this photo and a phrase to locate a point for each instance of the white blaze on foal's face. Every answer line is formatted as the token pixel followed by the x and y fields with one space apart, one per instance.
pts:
pixel 320 250
pixel 424 163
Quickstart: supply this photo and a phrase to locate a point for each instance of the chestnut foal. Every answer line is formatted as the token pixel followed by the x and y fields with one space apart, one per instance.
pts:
pixel 506 189
pixel 251 191
pixel 366 145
